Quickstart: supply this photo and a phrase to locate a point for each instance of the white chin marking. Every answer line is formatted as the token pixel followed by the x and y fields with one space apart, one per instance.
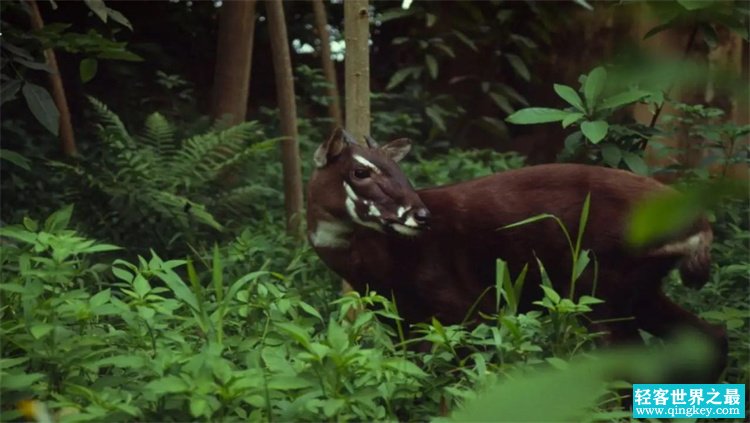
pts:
pixel 331 235
pixel 364 162
pixel 404 230
pixel 411 222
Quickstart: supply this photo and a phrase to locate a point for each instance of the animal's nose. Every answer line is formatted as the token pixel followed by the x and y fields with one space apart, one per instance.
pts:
pixel 422 216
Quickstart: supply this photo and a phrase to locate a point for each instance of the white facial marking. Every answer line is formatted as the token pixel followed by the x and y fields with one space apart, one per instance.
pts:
pixel 373 211
pixel 401 210
pixel 404 230
pixel 364 162
pixel 350 192
pixel 351 208
pixel 411 222
pixel 331 235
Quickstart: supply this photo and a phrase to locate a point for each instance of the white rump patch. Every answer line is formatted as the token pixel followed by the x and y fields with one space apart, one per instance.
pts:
pixel 684 247
pixel 364 162
pixel 331 235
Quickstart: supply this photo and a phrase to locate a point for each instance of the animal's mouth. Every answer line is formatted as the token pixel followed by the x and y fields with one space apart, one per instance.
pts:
pixel 404 228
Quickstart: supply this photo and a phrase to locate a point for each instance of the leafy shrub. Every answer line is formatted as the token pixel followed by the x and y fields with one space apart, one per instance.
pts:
pixel 152 190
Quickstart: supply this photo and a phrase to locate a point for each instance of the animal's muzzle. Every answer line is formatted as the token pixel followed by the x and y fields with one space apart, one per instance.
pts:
pixel 422 216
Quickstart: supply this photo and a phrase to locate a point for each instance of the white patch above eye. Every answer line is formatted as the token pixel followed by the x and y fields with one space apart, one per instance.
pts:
pixel 330 235
pixel 364 162
pixel 401 210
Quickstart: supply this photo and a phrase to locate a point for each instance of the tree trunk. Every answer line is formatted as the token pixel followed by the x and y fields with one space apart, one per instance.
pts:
pixel 234 52
pixel 58 90
pixel 321 24
pixel 357 75
pixel 282 65
pixel 357 68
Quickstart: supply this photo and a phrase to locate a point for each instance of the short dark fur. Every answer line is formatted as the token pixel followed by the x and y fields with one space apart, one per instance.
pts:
pixel 443 270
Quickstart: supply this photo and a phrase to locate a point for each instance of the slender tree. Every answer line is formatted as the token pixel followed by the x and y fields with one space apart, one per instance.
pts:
pixel 58 90
pixel 321 25
pixel 357 75
pixel 234 52
pixel 282 65
pixel 357 68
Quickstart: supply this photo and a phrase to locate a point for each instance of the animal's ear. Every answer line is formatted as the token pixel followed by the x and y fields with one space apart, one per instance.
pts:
pixel 333 147
pixel 397 149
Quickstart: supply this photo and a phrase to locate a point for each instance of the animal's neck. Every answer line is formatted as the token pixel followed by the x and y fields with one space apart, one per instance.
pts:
pixel 326 230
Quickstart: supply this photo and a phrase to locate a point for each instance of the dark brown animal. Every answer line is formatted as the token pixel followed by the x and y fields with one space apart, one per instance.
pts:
pixel 435 249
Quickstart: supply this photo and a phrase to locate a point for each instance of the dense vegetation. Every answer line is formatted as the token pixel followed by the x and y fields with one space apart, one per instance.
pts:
pixel 150 277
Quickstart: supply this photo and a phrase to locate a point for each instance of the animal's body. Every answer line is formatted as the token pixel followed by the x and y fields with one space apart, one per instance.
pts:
pixel 435 249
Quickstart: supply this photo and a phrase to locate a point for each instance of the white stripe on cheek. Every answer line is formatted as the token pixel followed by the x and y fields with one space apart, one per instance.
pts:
pixel 401 210
pixel 350 192
pixel 373 211
pixel 364 162
pixel 411 222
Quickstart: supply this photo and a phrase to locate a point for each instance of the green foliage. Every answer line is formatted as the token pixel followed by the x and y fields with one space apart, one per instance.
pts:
pixel 156 187
pixel 24 58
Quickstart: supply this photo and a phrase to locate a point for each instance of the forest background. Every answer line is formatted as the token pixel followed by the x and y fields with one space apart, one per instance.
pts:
pixel 152 266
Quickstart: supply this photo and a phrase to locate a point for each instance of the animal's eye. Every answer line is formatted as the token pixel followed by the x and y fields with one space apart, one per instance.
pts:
pixel 361 173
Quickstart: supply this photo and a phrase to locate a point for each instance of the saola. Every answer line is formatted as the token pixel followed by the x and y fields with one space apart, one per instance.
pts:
pixel 435 249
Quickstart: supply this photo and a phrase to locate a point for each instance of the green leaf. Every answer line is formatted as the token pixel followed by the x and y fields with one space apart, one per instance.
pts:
pixel 167 385
pixel 660 217
pixel 502 102
pixel 583 3
pixel 42 107
pixel 59 220
pixel 217 274
pixel 623 98
pixel 87 69
pixel 594 86
pixel 141 285
pixel 23 381
pixel 15 158
pixel 39 330
pixel 100 298
pixel 595 131
pixel 98 7
pixel 571 119
pixel 42 66
pixel 435 117
pixel 550 293
pixel 696 4
pixel 287 383
pixel 8 90
pixel 570 95
pixel 635 163
pixel 399 77
pixel 530 220
pixel 611 154
pixel 119 18
pixel 466 40
pixel 533 115
pixel 519 66
pixel 432 66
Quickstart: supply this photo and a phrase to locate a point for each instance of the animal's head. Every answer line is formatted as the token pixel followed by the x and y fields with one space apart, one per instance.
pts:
pixel 366 184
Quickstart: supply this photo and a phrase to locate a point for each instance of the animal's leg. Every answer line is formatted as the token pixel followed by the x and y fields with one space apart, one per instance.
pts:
pixel 660 316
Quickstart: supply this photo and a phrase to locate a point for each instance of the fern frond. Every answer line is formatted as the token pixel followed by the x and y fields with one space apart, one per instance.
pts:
pixel 110 122
pixel 242 200
pixel 202 157
pixel 158 133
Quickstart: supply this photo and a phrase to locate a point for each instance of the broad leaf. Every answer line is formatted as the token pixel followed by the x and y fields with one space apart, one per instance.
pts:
pixel 595 131
pixel 87 69
pixel 624 98
pixel 519 66
pixel 635 163
pixel 570 95
pixel 42 106
pixel 594 86
pixel 533 115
